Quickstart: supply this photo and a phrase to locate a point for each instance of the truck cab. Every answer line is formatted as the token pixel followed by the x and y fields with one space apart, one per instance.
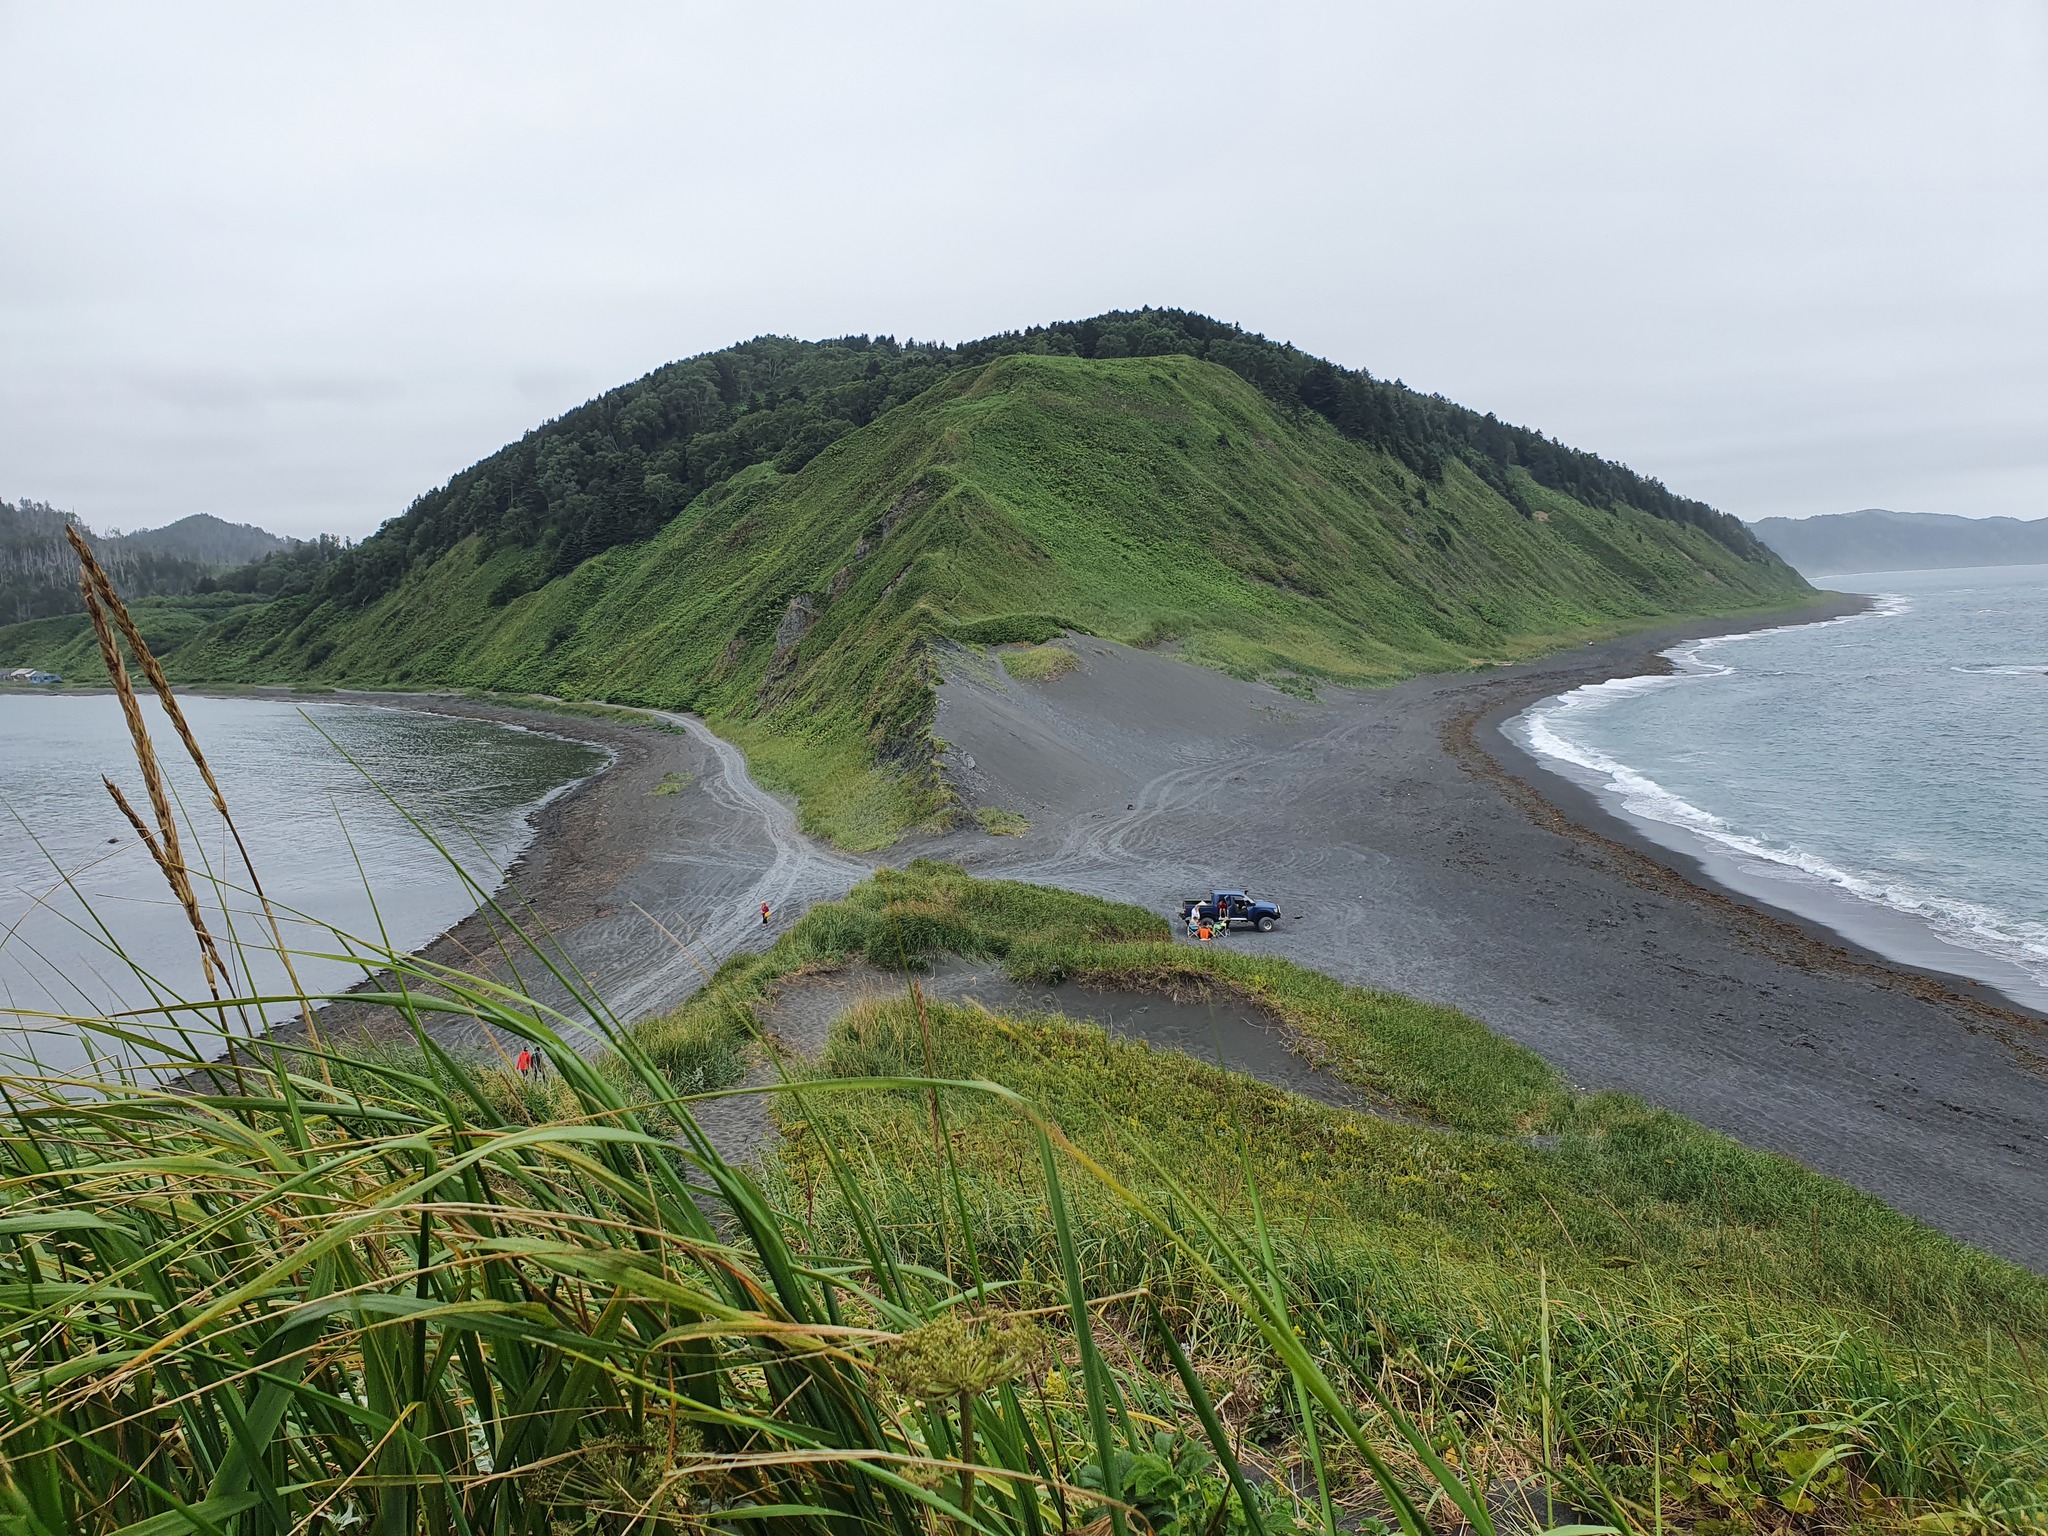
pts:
pixel 1230 909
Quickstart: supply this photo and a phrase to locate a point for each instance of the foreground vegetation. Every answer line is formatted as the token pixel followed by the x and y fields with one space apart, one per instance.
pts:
pixel 1729 1336
pixel 1004 1275
pixel 405 1292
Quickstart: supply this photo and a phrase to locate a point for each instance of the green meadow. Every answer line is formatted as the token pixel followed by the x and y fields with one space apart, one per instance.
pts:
pixel 992 1273
pixel 1571 1291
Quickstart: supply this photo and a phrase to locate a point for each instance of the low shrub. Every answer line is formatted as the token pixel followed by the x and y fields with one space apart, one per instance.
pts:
pixel 1039 663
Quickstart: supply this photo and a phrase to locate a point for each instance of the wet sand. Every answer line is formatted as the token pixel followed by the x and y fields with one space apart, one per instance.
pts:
pixel 1414 847
pixel 637 883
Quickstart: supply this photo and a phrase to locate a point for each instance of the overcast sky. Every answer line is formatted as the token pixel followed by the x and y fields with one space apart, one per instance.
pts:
pixel 295 264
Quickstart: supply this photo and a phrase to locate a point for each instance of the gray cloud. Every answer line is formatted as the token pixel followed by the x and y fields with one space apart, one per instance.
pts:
pixel 295 265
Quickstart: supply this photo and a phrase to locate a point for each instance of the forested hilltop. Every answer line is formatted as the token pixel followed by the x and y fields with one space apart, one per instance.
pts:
pixel 39 575
pixel 785 535
pixel 613 471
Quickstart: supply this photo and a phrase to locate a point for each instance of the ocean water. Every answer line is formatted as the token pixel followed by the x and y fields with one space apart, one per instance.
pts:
pixel 1884 774
pixel 87 924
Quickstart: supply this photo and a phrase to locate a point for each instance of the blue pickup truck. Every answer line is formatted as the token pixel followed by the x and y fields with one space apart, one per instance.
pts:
pixel 1229 909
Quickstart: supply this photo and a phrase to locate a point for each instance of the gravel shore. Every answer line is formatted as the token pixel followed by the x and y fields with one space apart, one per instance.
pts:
pixel 1415 848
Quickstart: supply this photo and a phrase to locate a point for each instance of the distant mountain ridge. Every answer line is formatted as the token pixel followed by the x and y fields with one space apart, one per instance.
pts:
pixel 1844 543
pixel 207 540
pixel 39 574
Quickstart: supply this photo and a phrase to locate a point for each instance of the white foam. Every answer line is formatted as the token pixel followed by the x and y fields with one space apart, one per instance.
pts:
pixel 1543 730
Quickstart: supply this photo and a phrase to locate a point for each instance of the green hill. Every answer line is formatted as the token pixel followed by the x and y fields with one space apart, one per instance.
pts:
pixel 64 642
pixel 39 575
pixel 778 534
pixel 1139 498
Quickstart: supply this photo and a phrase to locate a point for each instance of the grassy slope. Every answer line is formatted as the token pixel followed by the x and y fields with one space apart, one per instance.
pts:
pixel 64 643
pixel 1719 1310
pixel 1137 499
pixel 436 1296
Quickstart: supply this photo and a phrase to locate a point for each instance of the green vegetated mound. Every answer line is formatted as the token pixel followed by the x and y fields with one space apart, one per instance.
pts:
pixel 64 642
pixel 796 602
pixel 965 1270
pixel 1731 1336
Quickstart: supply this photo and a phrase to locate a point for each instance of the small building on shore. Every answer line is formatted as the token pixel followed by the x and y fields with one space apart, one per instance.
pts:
pixel 34 675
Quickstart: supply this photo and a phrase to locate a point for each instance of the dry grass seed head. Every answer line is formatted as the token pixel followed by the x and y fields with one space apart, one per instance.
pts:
pixel 99 598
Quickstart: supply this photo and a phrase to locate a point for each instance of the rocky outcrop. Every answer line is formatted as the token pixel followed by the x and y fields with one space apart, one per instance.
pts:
pixel 797 620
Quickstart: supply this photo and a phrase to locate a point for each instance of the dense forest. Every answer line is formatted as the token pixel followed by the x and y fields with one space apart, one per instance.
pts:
pixel 619 468
pixel 292 571
pixel 39 574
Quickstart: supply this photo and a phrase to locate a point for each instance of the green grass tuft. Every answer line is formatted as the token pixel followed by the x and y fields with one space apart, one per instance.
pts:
pixel 1001 1273
pixel 1039 663
pixel 1730 1337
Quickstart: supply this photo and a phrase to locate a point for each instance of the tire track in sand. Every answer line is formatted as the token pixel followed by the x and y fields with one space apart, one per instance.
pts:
pixel 797 873
pixel 1106 843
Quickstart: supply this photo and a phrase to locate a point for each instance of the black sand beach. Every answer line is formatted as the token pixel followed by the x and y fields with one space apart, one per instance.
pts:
pixel 1412 846
pixel 1415 848
pixel 643 877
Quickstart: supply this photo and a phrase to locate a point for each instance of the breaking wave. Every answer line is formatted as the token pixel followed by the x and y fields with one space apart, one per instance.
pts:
pixel 1546 728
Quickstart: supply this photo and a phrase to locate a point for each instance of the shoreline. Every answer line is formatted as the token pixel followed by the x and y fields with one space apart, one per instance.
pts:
pixel 547 883
pixel 533 872
pixel 1797 934
pixel 638 879
pixel 1876 933
pixel 1562 798
pixel 1414 849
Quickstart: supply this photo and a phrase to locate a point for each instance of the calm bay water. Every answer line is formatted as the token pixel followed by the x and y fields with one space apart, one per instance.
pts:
pixel 319 832
pixel 1885 774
